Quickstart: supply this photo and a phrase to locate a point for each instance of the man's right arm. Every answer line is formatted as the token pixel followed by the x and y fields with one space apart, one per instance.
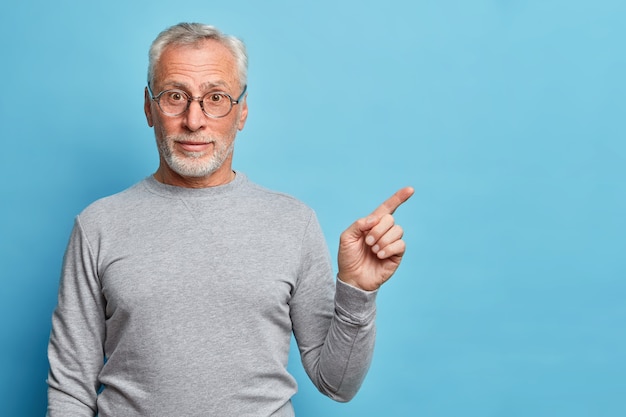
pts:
pixel 75 351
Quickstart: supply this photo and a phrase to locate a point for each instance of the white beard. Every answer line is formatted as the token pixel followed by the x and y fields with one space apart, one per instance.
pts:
pixel 195 164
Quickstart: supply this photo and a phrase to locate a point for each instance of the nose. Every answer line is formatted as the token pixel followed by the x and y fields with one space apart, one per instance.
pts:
pixel 195 119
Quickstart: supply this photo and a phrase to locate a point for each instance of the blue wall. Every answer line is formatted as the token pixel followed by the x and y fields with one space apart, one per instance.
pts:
pixel 506 116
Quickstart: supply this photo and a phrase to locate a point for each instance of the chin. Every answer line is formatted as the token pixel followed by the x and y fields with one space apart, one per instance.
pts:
pixel 192 167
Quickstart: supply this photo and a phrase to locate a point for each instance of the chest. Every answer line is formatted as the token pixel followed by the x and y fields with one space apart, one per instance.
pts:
pixel 226 272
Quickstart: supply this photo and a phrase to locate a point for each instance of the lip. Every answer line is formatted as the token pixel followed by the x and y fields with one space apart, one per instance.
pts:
pixel 194 146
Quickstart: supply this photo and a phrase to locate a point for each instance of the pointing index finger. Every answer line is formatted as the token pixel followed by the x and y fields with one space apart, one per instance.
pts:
pixel 392 203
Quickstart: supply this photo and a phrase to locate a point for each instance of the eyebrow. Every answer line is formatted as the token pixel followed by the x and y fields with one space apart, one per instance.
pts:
pixel 205 86
pixel 209 85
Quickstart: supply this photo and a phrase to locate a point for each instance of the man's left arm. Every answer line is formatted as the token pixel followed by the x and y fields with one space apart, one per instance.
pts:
pixel 336 336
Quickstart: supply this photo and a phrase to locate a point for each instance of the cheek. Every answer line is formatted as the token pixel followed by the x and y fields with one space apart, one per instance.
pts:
pixel 224 128
pixel 164 127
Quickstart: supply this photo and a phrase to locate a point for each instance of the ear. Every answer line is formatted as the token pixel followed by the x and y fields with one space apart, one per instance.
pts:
pixel 243 116
pixel 147 107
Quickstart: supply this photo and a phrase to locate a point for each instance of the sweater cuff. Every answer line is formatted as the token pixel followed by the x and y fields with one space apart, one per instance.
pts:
pixel 356 305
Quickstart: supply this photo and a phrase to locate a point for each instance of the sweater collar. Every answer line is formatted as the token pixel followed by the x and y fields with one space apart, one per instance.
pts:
pixel 172 191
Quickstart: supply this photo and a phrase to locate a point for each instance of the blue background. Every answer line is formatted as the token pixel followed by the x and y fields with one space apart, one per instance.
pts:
pixel 506 116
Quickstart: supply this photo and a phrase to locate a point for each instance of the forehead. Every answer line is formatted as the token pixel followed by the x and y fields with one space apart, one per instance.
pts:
pixel 206 62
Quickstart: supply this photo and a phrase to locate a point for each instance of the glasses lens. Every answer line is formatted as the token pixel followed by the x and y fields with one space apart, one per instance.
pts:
pixel 216 104
pixel 173 102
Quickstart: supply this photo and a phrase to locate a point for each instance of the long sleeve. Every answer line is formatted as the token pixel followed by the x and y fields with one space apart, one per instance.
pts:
pixel 75 350
pixel 335 334
pixel 191 296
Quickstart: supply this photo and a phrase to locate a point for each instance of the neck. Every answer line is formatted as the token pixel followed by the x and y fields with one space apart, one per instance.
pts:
pixel 172 178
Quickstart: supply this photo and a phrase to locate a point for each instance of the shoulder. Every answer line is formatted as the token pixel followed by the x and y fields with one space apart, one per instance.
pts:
pixel 115 205
pixel 274 201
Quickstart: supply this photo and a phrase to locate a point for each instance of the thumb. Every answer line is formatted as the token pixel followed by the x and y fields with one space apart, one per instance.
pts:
pixel 359 228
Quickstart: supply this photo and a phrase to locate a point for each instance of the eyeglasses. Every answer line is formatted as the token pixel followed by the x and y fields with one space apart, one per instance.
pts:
pixel 176 102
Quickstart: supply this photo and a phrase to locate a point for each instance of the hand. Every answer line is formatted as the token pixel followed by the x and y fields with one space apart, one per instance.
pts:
pixel 370 250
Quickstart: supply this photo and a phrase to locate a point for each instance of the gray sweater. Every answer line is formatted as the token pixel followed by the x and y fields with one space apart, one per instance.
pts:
pixel 181 302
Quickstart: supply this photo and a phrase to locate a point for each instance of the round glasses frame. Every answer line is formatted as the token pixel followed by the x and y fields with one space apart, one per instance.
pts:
pixel 200 101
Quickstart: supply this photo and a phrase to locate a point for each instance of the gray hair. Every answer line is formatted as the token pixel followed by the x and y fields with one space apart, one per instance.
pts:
pixel 192 34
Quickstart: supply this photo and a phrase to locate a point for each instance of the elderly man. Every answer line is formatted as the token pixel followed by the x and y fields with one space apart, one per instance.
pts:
pixel 179 296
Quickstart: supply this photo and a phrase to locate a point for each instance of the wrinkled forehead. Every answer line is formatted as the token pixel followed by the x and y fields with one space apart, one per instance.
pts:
pixel 206 61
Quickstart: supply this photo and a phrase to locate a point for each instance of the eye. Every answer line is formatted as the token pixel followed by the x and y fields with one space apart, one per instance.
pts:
pixel 175 96
pixel 215 98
